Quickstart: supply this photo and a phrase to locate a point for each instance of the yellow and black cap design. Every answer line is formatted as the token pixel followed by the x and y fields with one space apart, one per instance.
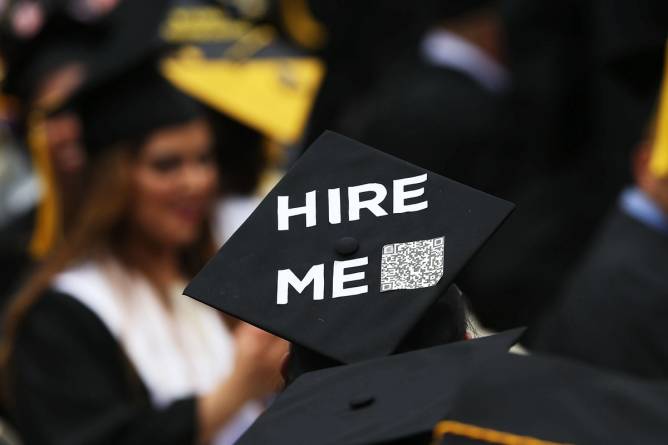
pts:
pixel 241 69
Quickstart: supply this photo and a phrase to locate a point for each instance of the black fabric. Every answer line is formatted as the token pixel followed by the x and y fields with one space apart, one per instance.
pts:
pixel 438 118
pixel 130 106
pixel 364 39
pixel 71 384
pixel 241 279
pixel 571 121
pixel 400 397
pixel 560 401
pixel 613 312
pixel 15 260
pixel 444 322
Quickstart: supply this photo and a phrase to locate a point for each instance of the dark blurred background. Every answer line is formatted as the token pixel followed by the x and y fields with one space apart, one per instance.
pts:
pixel 551 105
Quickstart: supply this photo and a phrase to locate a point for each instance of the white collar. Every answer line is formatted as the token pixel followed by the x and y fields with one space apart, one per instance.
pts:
pixel 444 48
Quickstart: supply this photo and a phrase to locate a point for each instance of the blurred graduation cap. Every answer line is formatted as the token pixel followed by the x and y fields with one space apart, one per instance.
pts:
pixel 102 48
pixel 659 161
pixel 349 250
pixel 127 107
pixel 241 69
pixel 538 400
pixel 395 399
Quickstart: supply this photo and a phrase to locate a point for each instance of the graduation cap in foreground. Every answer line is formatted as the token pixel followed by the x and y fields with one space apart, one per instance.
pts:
pixel 393 399
pixel 241 69
pixel 349 251
pixel 538 400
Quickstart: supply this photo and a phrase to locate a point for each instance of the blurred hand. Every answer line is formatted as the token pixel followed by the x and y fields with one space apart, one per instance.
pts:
pixel 259 356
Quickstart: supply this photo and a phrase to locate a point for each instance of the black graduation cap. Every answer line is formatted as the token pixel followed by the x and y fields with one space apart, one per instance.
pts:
pixel 459 8
pixel 348 251
pixel 540 400
pixel 129 106
pixel 397 398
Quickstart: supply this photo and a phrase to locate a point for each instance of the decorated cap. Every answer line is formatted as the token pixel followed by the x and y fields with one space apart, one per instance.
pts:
pixel 349 250
pixel 395 399
pixel 241 69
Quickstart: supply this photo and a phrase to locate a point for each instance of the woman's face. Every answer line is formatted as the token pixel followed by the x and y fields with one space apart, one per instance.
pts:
pixel 174 184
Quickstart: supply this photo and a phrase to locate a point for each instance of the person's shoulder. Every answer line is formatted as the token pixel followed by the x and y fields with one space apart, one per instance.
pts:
pixel 56 310
pixel 625 248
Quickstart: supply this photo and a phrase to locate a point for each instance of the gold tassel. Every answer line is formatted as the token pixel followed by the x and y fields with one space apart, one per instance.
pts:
pixel 659 161
pixel 483 434
pixel 47 220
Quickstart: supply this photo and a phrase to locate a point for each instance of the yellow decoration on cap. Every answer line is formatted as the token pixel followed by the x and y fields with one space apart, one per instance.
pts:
pixel 659 162
pixel 48 213
pixel 271 95
pixel 484 434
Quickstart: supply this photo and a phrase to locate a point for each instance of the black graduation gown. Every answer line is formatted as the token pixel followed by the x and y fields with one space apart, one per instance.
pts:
pixel 15 260
pixel 613 313
pixel 71 384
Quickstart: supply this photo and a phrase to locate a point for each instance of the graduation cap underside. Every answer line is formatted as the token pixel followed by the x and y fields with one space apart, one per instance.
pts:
pixel 387 399
pixel 348 251
pixel 242 70
pixel 541 400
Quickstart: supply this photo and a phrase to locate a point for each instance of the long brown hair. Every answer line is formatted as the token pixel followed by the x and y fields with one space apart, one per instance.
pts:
pixel 97 229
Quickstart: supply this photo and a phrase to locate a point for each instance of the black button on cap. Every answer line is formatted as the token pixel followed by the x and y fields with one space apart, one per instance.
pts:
pixel 361 401
pixel 346 245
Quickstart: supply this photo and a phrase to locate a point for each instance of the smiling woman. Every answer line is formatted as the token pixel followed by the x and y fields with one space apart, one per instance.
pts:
pixel 101 346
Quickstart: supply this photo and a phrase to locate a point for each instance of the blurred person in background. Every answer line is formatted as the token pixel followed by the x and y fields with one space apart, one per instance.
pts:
pixel 442 107
pixel 100 345
pixel 613 311
pixel 358 41
pixel 50 50
pixel 572 123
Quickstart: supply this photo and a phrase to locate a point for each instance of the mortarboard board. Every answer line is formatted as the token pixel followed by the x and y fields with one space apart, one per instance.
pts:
pixel 348 251
pixel 659 160
pixel 241 69
pixel 393 399
pixel 539 400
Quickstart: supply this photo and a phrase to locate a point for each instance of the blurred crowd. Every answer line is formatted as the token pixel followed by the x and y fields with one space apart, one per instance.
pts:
pixel 137 136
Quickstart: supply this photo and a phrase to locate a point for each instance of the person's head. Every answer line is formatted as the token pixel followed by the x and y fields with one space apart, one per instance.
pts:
pixel 149 184
pixel 173 181
pixel 654 186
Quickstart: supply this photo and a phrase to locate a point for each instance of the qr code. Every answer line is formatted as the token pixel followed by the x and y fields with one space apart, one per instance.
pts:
pixel 412 265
